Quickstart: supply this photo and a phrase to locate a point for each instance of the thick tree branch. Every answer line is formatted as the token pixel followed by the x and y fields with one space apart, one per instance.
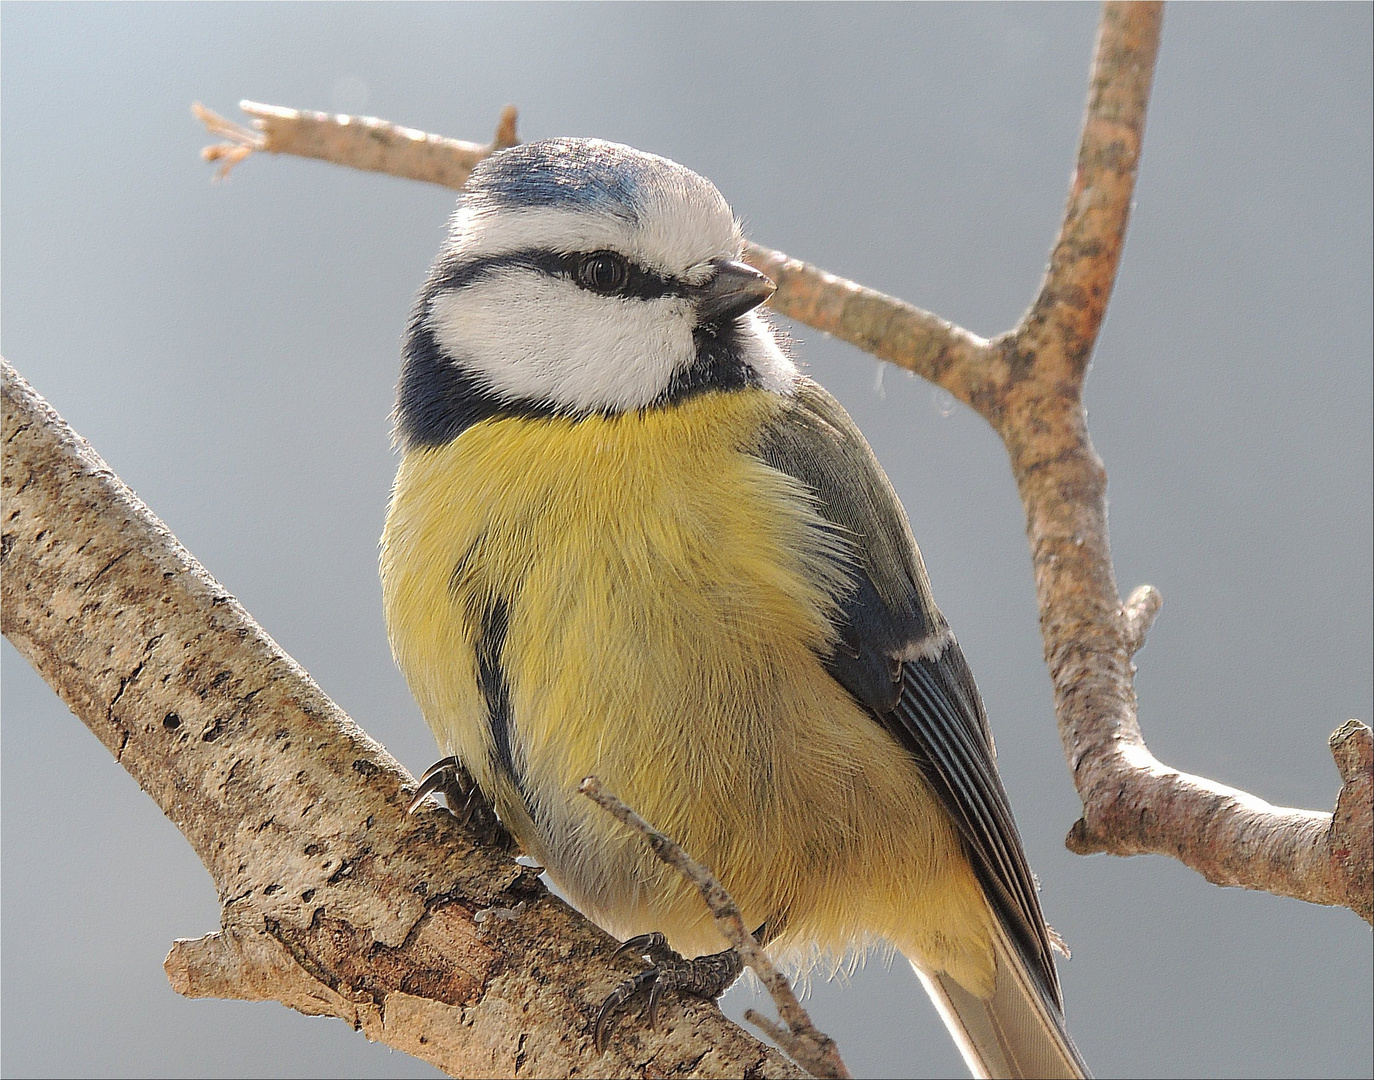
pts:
pixel 334 900
pixel 1028 384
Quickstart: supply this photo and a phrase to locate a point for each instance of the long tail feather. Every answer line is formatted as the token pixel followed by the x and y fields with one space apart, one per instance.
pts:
pixel 1014 1033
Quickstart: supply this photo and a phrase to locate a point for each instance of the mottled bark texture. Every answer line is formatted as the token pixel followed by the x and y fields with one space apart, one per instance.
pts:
pixel 334 901
pixel 1028 384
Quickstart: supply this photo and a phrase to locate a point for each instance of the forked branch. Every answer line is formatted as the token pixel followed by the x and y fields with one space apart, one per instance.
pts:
pixel 1028 384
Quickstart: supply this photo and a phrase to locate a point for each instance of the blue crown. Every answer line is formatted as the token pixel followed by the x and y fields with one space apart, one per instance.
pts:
pixel 584 174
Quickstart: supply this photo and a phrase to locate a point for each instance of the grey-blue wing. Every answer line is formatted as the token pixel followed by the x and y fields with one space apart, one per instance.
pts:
pixel 897 657
pixel 936 711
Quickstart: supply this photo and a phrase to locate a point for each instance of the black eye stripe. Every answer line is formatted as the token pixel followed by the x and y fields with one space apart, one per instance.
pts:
pixel 640 283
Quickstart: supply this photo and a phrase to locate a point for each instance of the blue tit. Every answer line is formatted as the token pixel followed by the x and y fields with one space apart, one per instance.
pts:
pixel 629 538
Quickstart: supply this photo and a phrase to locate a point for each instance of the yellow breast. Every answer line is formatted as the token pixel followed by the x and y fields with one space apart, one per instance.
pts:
pixel 668 597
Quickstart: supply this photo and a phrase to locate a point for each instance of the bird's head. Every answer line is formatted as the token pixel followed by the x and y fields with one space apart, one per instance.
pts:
pixel 580 277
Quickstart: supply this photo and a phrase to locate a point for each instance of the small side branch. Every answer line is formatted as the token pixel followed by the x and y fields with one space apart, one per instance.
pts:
pixel 1139 613
pixel 813 1050
pixel 888 328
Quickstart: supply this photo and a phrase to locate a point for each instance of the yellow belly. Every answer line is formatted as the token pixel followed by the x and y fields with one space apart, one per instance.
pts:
pixel 668 599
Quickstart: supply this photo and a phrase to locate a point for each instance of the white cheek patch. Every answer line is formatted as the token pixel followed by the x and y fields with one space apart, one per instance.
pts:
pixel 535 338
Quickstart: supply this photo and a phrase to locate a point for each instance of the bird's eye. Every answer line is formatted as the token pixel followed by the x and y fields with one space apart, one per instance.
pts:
pixel 602 271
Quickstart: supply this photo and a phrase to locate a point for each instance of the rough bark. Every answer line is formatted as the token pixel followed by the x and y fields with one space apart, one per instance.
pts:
pixel 334 901
pixel 1028 384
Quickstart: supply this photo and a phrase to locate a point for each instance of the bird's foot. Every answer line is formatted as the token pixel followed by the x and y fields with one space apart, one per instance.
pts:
pixel 465 802
pixel 703 976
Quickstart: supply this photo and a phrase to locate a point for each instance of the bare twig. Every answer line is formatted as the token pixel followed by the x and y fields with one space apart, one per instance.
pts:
pixel 335 902
pixel 811 1049
pixel 1028 384
pixel 890 329
pixel 506 135
pixel 360 142
pixel 242 141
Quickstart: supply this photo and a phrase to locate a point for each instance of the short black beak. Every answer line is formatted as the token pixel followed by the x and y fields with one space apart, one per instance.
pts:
pixel 732 290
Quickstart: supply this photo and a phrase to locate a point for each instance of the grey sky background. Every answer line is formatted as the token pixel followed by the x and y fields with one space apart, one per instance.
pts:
pixel 231 350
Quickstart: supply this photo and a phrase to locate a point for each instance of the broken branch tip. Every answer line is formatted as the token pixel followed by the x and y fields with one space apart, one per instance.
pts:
pixel 1140 611
pixel 506 134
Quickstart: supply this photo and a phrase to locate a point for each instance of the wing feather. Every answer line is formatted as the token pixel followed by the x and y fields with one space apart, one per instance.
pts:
pixel 897 657
pixel 964 773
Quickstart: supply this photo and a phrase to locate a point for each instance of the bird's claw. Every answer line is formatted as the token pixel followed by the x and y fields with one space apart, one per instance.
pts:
pixel 650 946
pixel 436 777
pixel 465 802
pixel 703 976
pixel 616 998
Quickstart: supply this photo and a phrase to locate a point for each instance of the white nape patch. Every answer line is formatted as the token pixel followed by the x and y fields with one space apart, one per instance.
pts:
pixel 765 354
pixel 533 337
pixel 929 648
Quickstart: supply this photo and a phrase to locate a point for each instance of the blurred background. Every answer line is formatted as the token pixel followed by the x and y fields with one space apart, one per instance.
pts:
pixel 231 350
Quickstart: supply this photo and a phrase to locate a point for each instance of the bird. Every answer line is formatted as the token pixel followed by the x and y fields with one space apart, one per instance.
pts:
pixel 629 537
